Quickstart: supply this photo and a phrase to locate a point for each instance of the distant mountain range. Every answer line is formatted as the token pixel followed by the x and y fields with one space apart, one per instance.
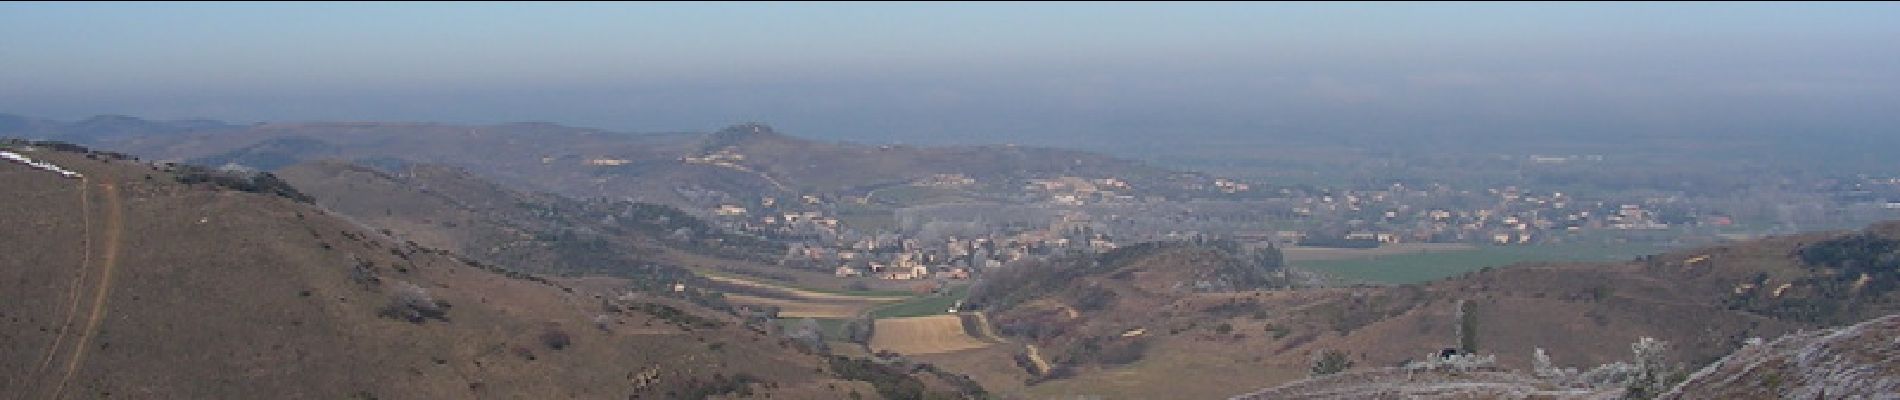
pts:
pixel 103 127
pixel 746 161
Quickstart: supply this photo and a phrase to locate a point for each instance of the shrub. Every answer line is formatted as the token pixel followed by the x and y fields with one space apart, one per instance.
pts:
pixel 1330 362
pixel 1279 331
pixel 889 383
pixel 412 303
pixel 1094 298
pixel 556 339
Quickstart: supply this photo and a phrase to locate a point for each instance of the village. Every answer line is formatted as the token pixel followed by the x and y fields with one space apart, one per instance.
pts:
pixel 954 240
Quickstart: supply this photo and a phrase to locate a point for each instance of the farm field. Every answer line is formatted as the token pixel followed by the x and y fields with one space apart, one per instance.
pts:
pixel 923 335
pixel 923 305
pixel 1299 254
pixel 805 293
pixel 801 308
pixel 797 303
pixel 1422 266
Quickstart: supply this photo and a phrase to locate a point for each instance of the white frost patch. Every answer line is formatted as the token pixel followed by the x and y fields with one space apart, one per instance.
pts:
pixel 40 165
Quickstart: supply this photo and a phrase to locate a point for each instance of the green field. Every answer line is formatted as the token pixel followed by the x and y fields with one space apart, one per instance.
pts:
pixel 831 328
pixel 923 305
pixel 866 217
pixel 1422 267
pixel 908 195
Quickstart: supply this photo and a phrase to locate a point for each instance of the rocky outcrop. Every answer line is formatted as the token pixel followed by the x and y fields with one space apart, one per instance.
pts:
pixel 1858 361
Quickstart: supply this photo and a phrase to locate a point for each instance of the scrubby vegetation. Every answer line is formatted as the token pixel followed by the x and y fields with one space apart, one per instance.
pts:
pixel 890 382
pixel 1107 351
pixel 254 182
pixel 1852 277
pixel 1863 263
pixel 687 231
pixel 556 339
pixel 412 303
pixel 676 316
pixel 1330 362
pixel 1237 269
pixel 717 385
pixel 235 179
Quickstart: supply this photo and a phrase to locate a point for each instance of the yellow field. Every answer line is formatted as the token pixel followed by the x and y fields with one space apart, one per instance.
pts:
pixel 923 335
pixel 800 303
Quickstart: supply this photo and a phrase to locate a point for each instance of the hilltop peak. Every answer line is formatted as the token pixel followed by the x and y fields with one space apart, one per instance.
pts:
pixel 747 129
pixel 737 134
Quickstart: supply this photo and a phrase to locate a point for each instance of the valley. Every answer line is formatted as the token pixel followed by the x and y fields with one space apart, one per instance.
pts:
pixel 949 201
pixel 994 291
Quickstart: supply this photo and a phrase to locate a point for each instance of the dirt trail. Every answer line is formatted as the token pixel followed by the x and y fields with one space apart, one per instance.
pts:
pixel 108 261
pixel 72 289
pixel 741 168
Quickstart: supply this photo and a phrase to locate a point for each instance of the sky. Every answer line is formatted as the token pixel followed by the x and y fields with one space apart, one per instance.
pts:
pixel 1079 74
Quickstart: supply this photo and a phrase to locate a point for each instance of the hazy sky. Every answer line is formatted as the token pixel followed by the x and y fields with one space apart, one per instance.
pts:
pixel 977 72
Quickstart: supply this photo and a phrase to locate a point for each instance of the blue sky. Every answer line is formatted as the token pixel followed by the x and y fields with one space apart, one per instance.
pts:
pixel 946 72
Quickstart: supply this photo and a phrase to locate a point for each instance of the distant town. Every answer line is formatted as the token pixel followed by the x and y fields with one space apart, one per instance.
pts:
pixel 997 223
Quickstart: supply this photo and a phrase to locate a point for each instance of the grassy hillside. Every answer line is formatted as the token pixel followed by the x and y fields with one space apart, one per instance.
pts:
pixel 447 207
pixel 1429 266
pixel 144 286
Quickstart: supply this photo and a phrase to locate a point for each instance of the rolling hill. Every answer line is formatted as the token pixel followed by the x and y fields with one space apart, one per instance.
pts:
pixel 1857 361
pixel 103 128
pixel 447 207
pixel 160 281
pixel 1129 325
pixel 739 163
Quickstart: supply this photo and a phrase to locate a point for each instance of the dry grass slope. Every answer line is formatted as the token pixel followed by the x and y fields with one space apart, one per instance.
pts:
pixel 923 335
pixel 191 291
pixel 1214 345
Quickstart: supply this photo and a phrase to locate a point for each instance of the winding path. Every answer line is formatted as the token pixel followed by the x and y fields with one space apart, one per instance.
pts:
pixel 108 262
pixel 73 288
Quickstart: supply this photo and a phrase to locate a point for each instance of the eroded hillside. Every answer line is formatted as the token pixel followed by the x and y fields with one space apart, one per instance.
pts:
pixel 1103 328
pixel 449 208
pixel 133 282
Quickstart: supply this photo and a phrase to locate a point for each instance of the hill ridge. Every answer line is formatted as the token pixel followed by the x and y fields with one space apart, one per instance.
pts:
pixel 216 292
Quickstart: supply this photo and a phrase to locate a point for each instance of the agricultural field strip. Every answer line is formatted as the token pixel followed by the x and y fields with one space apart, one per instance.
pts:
pixel 798 303
pixel 923 335
pixel 801 309
pixel 802 294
